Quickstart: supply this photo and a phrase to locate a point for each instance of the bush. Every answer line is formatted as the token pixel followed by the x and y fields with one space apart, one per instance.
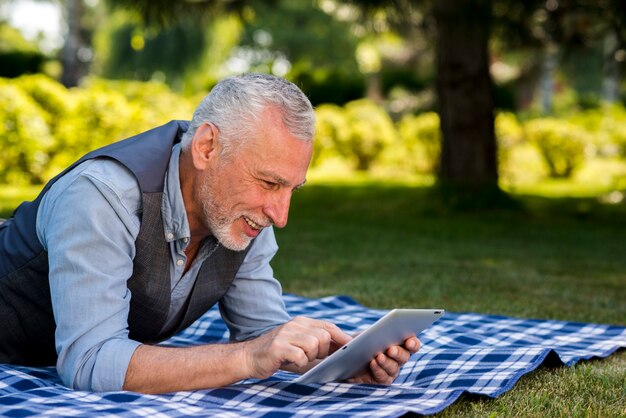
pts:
pixel 421 139
pixel 607 129
pixel 509 134
pixel 371 131
pixel 562 144
pixel 24 135
pixel 157 102
pixel 46 127
pixel 53 98
pixel 99 117
pixel 332 134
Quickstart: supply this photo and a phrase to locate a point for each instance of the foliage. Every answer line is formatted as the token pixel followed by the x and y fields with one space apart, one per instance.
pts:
pixel 66 123
pixel 24 135
pixel 606 128
pixel 509 134
pixel 17 55
pixel 328 86
pixel 53 98
pixel 562 144
pixel 371 130
pixel 98 118
pixel 305 35
pixel 331 135
pixel 160 13
pixel 127 49
pixel 421 140
pixel 356 133
pixel 308 46
pixel 158 103
pixel 44 127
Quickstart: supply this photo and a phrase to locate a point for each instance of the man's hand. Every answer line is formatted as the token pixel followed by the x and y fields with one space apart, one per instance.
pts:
pixel 384 368
pixel 294 346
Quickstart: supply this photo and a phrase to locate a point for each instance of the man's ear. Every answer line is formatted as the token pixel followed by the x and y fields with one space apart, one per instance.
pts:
pixel 205 145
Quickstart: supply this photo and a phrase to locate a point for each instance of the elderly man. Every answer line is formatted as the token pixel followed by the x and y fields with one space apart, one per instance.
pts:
pixel 136 240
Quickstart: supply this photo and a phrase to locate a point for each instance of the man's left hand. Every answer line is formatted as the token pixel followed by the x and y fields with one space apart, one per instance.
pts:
pixel 384 368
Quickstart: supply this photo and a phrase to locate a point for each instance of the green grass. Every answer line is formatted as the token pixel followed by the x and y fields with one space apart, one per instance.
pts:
pixel 393 244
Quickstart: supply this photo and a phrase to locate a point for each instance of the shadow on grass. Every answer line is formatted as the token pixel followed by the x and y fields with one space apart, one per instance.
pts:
pixel 400 200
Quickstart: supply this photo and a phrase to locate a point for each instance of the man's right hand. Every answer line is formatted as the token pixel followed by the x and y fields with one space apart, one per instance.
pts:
pixel 294 345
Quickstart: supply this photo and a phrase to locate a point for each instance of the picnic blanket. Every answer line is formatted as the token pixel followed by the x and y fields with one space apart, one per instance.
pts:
pixel 461 352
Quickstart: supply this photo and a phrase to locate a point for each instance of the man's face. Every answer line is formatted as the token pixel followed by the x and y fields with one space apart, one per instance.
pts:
pixel 251 188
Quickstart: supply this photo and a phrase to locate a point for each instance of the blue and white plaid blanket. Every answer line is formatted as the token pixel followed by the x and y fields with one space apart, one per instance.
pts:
pixel 461 352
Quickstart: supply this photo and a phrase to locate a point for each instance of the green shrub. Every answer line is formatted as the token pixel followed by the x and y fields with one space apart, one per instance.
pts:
pixel 562 144
pixel 24 135
pixel 53 98
pixel 618 137
pixel 45 127
pixel 421 140
pixel 332 134
pixel 99 117
pixel 509 134
pixel 157 102
pixel 371 131
pixel 613 131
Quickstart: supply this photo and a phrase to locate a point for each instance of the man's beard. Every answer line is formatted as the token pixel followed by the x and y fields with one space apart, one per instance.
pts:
pixel 220 223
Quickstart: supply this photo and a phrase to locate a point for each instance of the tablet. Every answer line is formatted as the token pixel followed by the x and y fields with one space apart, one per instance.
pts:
pixel 392 329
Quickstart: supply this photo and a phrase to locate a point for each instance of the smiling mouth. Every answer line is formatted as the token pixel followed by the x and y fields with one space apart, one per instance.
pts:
pixel 252 224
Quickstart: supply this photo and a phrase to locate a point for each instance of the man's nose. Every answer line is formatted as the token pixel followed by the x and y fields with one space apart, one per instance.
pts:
pixel 278 209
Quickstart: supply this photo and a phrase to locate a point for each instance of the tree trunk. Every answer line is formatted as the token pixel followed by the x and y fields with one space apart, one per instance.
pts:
pixel 550 62
pixel 465 95
pixel 69 56
pixel 611 81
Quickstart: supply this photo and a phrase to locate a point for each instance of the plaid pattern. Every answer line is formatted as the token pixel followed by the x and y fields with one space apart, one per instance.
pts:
pixel 462 352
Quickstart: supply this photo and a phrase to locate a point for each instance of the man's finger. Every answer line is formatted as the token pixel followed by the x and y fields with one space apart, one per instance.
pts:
pixel 336 334
pixel 380 375
pixel 399 354
pixel 389 365
pixel 412 344
pixel 295 355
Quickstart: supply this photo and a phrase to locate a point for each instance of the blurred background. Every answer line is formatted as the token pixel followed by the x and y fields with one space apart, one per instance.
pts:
pixel 471 95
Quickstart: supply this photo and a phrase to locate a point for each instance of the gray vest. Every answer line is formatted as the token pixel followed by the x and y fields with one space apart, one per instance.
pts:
pixel 27 332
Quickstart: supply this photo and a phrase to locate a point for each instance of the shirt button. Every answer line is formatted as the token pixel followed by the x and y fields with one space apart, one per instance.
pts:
pixel 180 262
pixel 169 235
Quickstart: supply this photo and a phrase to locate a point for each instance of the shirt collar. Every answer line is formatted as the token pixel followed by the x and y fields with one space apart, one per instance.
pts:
pixel 175 223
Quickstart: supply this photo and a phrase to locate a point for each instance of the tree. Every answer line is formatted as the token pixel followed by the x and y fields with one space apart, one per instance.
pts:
pixel 464 91
pixel 72 66
pixel 462 30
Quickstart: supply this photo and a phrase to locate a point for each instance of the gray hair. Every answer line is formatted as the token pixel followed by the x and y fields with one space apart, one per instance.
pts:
pixel 235 106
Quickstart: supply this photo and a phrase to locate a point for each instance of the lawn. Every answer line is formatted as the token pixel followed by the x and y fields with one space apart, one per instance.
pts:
pixel 392 244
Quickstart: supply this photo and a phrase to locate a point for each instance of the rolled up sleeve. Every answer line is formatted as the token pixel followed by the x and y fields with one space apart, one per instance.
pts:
pixel 88 228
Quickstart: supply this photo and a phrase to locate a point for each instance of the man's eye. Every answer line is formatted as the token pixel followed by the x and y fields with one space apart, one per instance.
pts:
pixel 270 184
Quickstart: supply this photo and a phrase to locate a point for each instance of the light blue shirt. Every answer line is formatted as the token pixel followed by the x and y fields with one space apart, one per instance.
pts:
pixel 88 222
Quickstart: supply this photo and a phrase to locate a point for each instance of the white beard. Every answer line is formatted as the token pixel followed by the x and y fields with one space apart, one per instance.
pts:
pixel 219 223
